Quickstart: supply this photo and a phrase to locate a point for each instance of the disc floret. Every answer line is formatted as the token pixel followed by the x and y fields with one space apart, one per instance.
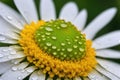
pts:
pixel 61 39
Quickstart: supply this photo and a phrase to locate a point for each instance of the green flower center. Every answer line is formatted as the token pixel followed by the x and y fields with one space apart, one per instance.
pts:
pixel 61 39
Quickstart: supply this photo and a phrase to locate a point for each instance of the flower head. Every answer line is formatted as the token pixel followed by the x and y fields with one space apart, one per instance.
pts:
pixel 55 48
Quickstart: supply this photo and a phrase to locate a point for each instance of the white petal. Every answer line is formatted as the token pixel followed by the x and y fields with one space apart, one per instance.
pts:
pixel 27 9
pixel 108 40
pixel 5 39
pixel 108 53
pixel 47 10
pixel 9 53
pixel 77 78
pixel 80 20
pixel 110 66
pixel 10 35
pixel 106 73
pixel 37 75
pixel 94 75
pixel 99 22
pixel 11 16
pixel 69 12
pixel 5 27
pixel 18 73
pixel 5 66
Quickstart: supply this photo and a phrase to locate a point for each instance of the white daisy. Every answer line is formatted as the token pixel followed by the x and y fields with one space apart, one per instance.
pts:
pixel 53 48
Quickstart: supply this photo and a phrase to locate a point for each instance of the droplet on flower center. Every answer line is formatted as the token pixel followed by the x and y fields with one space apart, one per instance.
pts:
pixel 61 39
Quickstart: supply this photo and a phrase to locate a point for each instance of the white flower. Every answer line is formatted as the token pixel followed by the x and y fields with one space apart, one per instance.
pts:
pixel 11 22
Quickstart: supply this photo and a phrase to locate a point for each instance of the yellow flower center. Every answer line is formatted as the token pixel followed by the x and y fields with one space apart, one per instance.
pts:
pixel 50 64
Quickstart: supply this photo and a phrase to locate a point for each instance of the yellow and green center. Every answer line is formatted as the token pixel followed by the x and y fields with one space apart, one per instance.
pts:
pixel 58 48
pixel 61 39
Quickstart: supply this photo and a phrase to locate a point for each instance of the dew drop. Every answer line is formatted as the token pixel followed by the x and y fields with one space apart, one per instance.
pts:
pixel 75 46
pixel 14 68
pixel 63 25
pixel 48 44
pixel 9 17
pixel 29 70
pixel 53 37
pixel 1 55
pixel 54 53
pixel 63 49
pixel 69 49
pixel 43 36
pixel 58 49
pixel 81 49
pixel 69 42
pixel 12 52
pixel 54 47
pixel 47 33
pixel 58 27
pixel 63 44
pixel 77 37
pixel 4 50
pixel 34 78
pixel 43 39
pixel 19 78
pixel 2 38
pixel 48 29
pixel 80 42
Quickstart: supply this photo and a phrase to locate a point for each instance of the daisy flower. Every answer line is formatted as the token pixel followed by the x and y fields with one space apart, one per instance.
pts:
pixel 52 48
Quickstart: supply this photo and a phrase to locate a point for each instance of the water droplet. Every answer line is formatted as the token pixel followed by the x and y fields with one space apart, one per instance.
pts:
pixel 48 29
pixel 58 27
pixel 77 37
pixel 9 17
pixel 48 44
pixel 75 40
pixel 80 42
pixel 39 40
pixel 63 49
pixel 4 50
pixel 54 47
pixel 2 38
pixel 1 55
pixel 43 36
pixel 29 70
pixel 81 49
pixel 75 46
pixel 53 37
pixel 54 53
pixel 69 42
pixel 12 52
pixel 61 53
pixel 43 39
pixel 63 25
pixel 19 78
pixel 45 47
pixel 14 68
pixel 69 49
pixel 58 49
pixel 119 41
pixel 63 44
pixel 34 78
pixel 47 33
